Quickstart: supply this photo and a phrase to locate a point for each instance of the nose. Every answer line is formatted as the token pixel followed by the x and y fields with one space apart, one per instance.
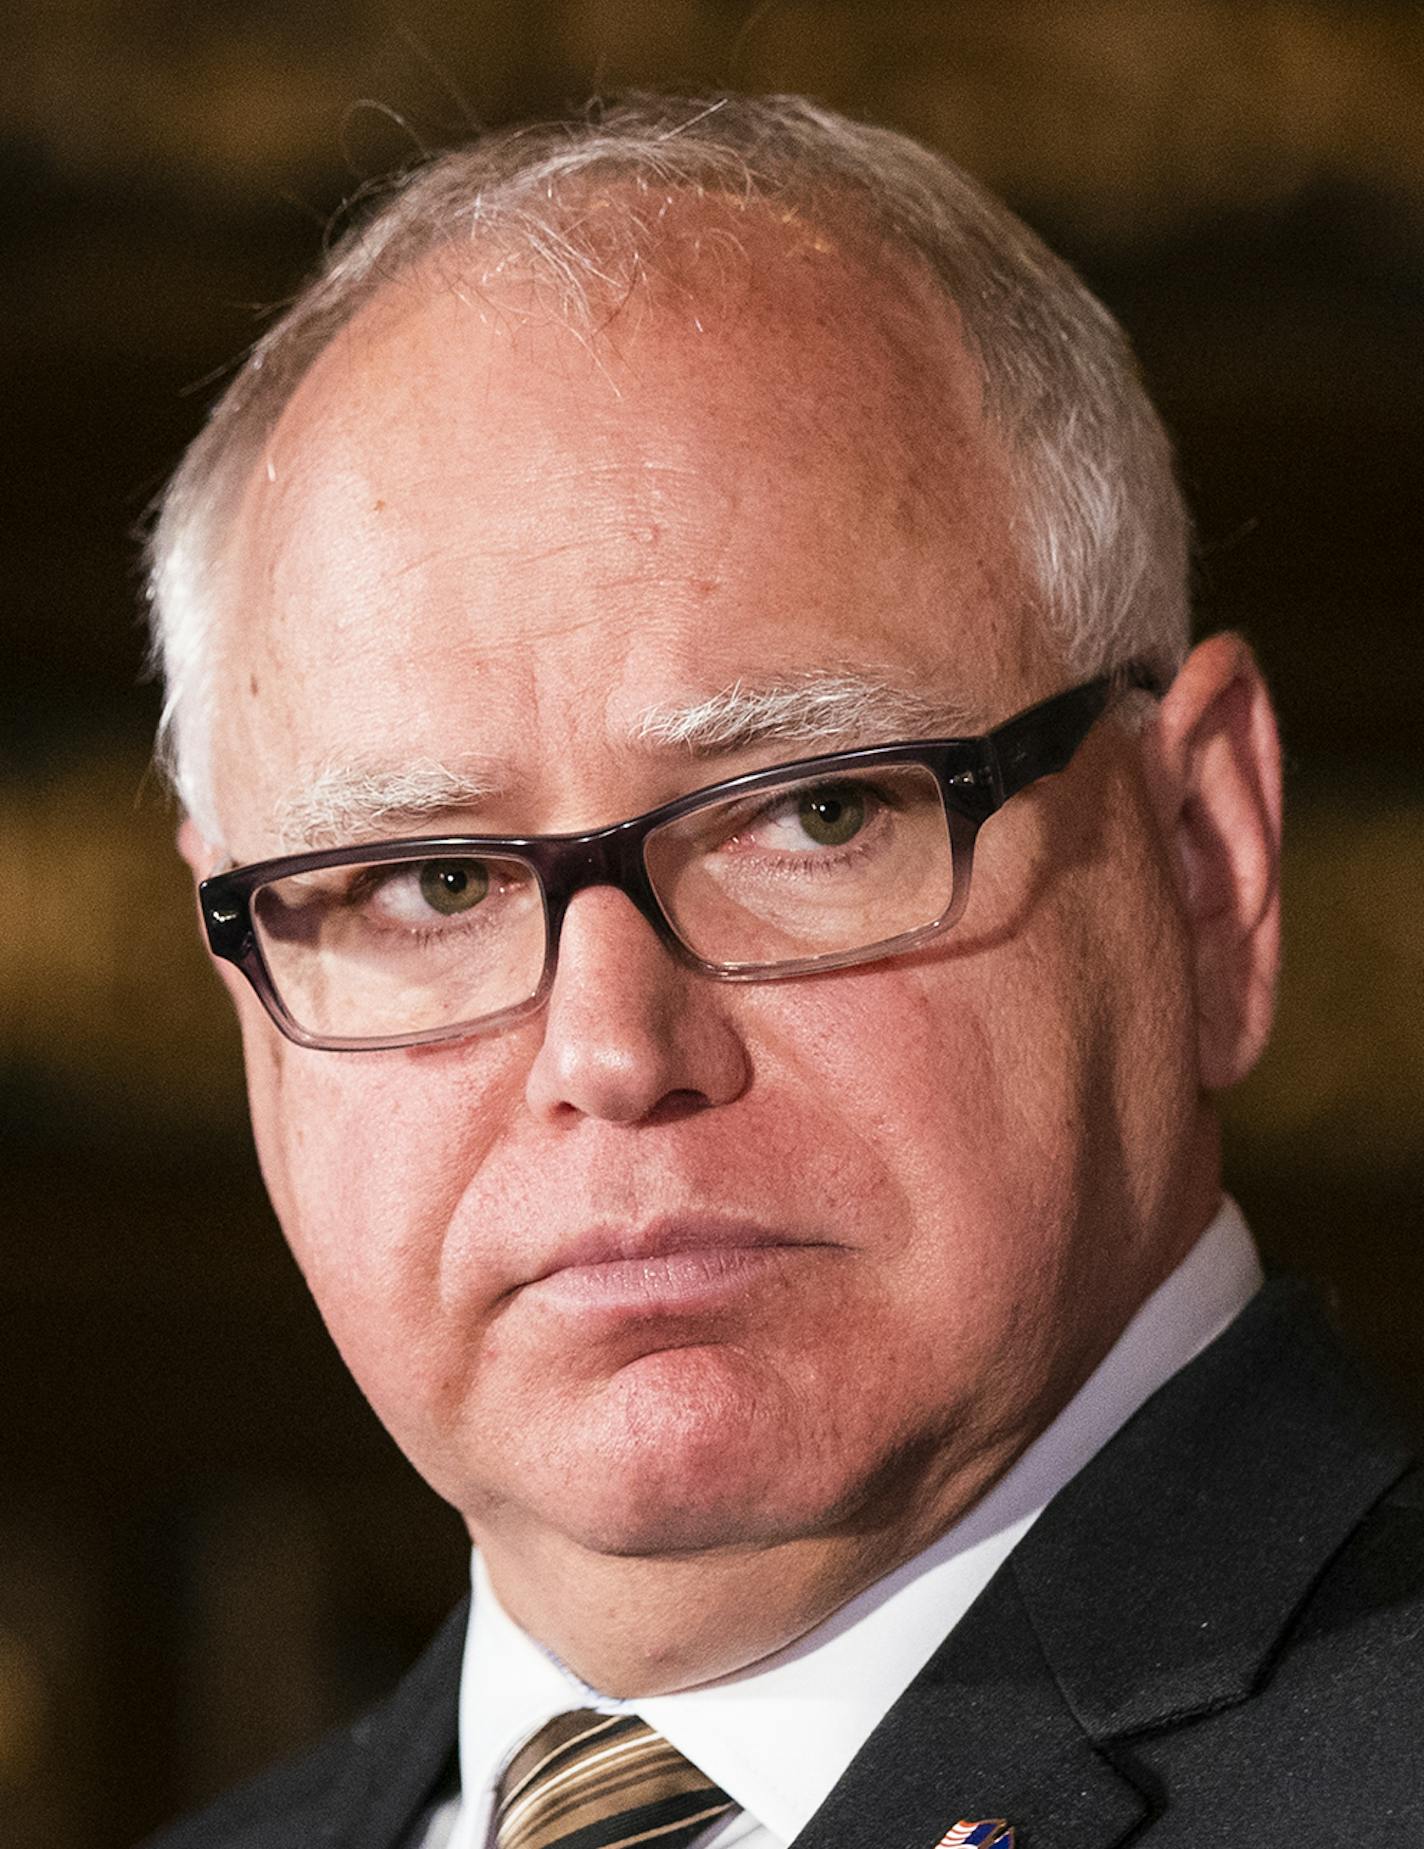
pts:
pixel 628 1032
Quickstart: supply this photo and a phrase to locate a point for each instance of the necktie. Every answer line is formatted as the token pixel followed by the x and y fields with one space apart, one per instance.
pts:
pixel 600 1781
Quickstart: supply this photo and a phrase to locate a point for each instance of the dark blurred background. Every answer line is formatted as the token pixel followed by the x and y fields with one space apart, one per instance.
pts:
pixel 208 1549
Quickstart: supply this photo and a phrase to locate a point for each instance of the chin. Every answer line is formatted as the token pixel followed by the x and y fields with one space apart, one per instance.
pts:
pixel 638 1513
pixel 682 1454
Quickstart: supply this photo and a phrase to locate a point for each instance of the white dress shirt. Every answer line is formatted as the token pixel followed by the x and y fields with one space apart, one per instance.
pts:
pixel 777 1736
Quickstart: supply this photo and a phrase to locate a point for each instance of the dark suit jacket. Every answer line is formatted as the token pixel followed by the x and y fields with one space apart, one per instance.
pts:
pixel 1214 1635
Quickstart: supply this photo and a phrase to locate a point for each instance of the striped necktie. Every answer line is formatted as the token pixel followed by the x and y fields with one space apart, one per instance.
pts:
pixel 601 1781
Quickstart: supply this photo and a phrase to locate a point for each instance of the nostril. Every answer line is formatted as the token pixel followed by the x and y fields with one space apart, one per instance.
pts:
pixel 677 1105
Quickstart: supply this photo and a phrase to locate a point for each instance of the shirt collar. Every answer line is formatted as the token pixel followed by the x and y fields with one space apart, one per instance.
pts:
pixel 777 1736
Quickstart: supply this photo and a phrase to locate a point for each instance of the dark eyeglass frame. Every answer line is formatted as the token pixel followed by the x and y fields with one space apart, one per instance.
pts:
pixel 976 777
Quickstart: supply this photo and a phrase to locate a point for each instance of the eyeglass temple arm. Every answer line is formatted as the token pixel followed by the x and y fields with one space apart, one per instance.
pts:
pixel 1042 741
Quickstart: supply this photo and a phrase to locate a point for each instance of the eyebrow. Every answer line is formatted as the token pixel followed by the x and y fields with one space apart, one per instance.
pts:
pixel 341 804
pixel 802 710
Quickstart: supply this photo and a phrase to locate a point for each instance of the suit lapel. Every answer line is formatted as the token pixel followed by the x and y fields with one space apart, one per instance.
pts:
pixel 403 1755
pixel 1162 1579
pixel 1156 1587
pixel 983 1731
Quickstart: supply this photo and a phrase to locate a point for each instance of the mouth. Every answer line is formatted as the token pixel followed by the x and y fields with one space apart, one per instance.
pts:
pixel 670 1267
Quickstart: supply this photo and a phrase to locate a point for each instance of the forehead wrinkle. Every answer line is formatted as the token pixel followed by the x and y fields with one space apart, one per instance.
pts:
pixel 343 802
pixel 797 709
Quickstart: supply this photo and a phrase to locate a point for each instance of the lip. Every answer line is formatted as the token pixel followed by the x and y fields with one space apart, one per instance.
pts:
pixel 666 1267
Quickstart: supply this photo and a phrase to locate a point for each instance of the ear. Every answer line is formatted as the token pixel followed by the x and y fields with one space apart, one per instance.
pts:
pixel 202 858
pixel 1214 773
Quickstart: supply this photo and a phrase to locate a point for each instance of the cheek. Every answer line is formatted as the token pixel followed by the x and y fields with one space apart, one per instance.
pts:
pixel 952 1124
pixel 1011 1091
pixel 954 1077
pixel 366 1158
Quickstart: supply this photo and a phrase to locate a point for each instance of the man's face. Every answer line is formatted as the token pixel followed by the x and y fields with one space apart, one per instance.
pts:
pixel 678 1264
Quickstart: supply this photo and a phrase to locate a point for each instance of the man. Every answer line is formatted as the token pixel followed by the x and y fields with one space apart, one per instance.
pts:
pixel 605 624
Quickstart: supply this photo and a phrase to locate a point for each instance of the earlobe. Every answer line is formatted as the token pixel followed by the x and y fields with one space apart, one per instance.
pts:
pixel 1214 779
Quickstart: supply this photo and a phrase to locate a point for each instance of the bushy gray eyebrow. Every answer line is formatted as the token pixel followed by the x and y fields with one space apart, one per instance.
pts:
pixel 801 710
pixel 342 803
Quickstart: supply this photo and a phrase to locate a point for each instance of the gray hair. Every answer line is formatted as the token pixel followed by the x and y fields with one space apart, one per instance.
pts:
pixel 1102 527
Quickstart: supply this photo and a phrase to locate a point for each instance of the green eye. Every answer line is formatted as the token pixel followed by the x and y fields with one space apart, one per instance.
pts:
pixel 832 816
pixel 452 886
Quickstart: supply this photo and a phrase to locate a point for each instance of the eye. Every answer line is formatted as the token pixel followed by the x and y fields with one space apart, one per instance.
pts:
pixel 453 886
pixel 817 815
pixel 832 816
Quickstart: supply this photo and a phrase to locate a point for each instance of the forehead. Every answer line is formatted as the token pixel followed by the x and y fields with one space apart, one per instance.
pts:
pixel 485 521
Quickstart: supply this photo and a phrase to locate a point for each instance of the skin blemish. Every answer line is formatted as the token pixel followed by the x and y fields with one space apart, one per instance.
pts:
pixel 252 685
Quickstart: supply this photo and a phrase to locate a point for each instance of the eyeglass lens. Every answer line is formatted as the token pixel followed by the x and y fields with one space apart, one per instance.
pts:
pixel 803 870
pixel 402 947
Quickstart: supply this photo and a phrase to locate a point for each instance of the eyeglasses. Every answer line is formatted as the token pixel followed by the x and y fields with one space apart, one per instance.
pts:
pixel 809 866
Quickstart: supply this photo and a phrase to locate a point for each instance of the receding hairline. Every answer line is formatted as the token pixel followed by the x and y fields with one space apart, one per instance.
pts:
pixel 699 271
pixel 677 282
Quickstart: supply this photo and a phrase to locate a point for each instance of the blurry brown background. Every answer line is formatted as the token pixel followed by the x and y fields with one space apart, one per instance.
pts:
pixel 207 1547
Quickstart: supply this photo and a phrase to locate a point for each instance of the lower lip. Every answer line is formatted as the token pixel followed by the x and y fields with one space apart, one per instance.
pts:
pixel 670 1284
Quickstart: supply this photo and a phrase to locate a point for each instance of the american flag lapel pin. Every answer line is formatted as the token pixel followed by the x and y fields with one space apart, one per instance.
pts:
pixel 987 1833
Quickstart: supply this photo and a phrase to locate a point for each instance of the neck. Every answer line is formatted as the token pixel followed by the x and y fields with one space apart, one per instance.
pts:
pixel 638 1626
